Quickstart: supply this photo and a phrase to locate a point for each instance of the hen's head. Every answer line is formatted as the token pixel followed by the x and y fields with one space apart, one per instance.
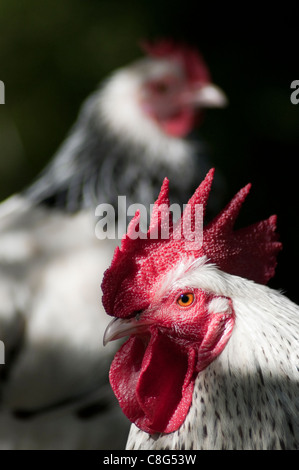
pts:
pixel 168 88
pixel 176 329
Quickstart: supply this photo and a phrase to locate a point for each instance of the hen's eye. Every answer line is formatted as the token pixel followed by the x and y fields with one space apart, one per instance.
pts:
pixel 161 87
pixel 185 300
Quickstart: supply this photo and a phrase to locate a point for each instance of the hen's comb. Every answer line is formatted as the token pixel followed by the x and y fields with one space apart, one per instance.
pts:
pixel 196 69
pixel 139 264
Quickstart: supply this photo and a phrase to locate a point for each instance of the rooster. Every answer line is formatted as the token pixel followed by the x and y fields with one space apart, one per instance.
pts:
pixel 212 359
pixel 54 391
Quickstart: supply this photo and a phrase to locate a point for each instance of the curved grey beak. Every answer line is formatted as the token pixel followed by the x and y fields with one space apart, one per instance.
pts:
pixel 120 327
pixel 210 96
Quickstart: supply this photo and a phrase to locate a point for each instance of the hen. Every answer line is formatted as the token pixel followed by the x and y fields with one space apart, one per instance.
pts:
pixel 54 387
pixel 212 361
pixel 132 131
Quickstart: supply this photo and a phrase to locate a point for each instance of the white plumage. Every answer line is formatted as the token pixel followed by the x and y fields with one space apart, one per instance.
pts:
pixel 54 390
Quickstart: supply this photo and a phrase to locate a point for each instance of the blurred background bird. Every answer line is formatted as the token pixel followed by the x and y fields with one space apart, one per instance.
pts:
pixel 129 133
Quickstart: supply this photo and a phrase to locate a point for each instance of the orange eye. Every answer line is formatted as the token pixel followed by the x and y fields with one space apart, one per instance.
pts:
pixel 185 300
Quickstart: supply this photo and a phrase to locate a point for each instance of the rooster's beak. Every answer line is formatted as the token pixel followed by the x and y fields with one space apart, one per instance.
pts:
pixel 210 96
pixel 120 327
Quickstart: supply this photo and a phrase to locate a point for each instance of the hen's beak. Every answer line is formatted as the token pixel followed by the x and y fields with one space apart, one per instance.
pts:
pixel 120 327
pixel 210 96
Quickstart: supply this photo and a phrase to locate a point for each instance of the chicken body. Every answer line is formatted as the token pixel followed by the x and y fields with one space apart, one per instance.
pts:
pixel 54 387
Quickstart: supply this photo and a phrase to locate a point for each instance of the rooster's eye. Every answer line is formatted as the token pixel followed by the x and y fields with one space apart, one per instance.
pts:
pixel 185 300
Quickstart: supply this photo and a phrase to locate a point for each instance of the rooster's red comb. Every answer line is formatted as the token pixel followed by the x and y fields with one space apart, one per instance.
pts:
pixel 194 64
pixel 141 262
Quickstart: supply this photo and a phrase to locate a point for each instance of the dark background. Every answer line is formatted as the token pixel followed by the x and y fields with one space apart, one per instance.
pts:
pixel 54 53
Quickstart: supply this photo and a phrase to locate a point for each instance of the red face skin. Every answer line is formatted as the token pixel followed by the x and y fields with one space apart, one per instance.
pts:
pixel 153 373
pixel 170 102
pixel 174 101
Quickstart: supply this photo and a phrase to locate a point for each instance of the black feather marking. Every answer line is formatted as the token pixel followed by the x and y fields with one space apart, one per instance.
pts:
pixel 86 411
pixel 93 409
pixel 93 166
